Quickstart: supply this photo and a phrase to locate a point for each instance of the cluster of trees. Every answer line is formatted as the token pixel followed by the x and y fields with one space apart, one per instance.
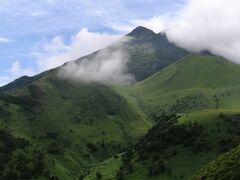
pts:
pixel 17 159
pixel 169 133
pixel 161 140
pixel 156 168
pixel 233 122
pixel 52 134
pixel 103 150
pixel 28 101
pixel 187 104
pixel 55 148
pixel 228 143
pixel 224 167
pixel 4 114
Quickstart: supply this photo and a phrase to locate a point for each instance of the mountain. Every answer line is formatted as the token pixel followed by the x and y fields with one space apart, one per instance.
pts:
pixel 195 82
pixel 150 52
pixel 178 147
pixel 193 104
pixel 74 125
pixel 147 52
pixel 180 120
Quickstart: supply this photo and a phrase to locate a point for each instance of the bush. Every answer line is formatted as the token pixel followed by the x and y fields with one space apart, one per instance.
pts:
pixel 119 175
pixel 54 148
pixel 98 176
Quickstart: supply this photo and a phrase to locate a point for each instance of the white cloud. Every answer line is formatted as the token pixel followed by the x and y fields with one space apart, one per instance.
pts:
pixel 107 66
pixel 212 25
pixel 17 70
pixel 55 45
pixel 208 24
pixel 156 23
pixel 38 13
pixel 56 52
pixel 5 40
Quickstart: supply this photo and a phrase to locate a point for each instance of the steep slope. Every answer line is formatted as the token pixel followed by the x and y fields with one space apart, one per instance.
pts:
pixel 72 124
pixel 147 52
pixel 225 167
pixel 75 125
pixel 177 147
pixel 204 92
pixel 194 82
pixel 69 130
pixel 79 124
pixel 150 52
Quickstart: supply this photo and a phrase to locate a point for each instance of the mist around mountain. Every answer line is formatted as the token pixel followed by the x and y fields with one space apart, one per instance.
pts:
pixel 142 108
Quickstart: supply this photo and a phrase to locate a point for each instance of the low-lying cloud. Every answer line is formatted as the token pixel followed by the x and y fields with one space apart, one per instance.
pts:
pixel 199 25
pixel 5 40
pixel 212 25
pixel 57 52
pixel 108 66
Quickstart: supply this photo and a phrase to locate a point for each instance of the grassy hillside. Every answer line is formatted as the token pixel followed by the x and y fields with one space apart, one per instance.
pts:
pixel 60 129
pixel 225 167
pixel 73 125
pixel 194 82
pixel 204 91
pixel 176 147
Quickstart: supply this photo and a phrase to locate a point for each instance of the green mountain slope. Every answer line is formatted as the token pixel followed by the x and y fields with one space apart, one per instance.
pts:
pixel 73 125
pixel 194 82
pixel 225 167
pixel 204 91
pixel 150 52
pixel 52 128
pixel 176 147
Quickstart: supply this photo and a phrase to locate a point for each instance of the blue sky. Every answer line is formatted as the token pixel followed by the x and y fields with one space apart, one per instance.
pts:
pixel 31 30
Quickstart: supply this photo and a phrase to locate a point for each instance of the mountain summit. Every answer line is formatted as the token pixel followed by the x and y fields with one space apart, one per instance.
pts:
pixel 141 31
pixel 59 129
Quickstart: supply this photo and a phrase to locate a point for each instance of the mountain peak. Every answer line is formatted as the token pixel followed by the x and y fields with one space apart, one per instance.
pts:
pixel 140 30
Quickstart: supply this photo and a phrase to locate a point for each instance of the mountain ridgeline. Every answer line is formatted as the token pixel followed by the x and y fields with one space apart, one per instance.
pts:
pixel 180 120
pixel 150 52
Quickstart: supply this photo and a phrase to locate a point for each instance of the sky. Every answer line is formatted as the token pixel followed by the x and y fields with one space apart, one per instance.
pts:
pixel 34 34
pixel 39 35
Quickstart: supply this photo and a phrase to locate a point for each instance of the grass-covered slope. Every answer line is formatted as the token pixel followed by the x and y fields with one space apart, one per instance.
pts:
pixel 74 125
pixel 204 91
pixel 194 82
pixel 225 167
pixel 177 148
pixel 177 151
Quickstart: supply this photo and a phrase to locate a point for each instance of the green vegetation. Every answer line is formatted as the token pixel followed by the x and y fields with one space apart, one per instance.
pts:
pixel 195 82
pixel 178 147
pixel 225 167
pixel 207 127
pixel 150 52
pixel 182 122
pixel 18 159
pixel 73 125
